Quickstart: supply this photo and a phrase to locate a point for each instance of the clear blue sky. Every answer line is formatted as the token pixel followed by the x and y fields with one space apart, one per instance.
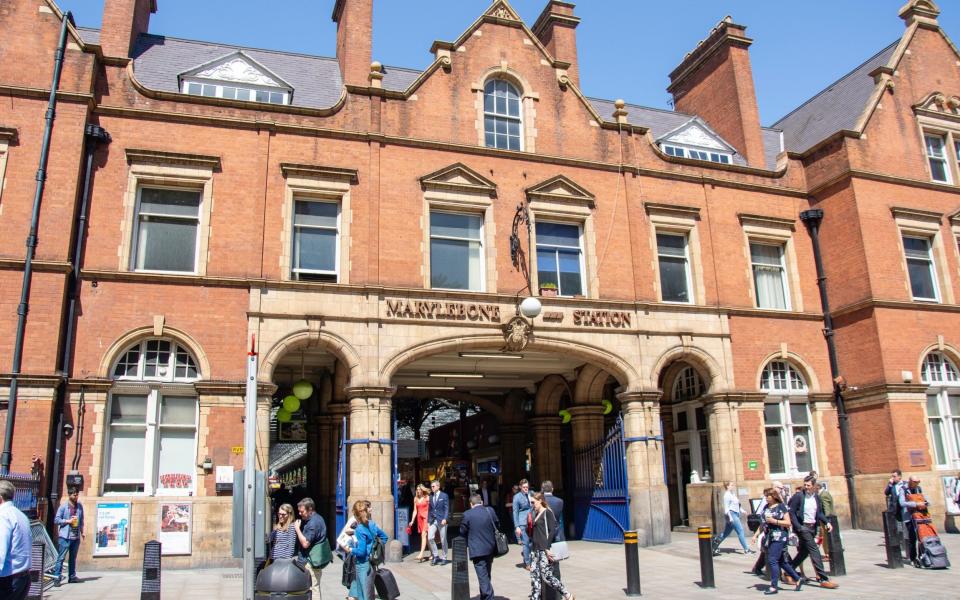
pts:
pixel 627 48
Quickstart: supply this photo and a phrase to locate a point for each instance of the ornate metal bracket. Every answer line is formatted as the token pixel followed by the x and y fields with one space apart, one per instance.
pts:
pixel 518 256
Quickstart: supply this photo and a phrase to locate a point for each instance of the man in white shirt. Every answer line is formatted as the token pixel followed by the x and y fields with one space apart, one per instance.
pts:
pixel 15 547
pixel 806 513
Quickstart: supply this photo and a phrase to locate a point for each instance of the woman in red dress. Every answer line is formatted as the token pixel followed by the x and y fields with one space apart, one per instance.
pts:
pixel 421 504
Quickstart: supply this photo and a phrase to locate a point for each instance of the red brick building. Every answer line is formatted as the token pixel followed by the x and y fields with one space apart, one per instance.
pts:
pixel 356 218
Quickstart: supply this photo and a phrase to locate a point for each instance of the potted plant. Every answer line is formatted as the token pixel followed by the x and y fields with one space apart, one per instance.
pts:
pixel 548 289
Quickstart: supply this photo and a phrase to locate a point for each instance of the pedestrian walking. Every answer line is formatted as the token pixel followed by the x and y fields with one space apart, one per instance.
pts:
pixel 437 516
pixel 283 538
pixel 421 507
pixel 731 512
pixel 521 518
pixel 367 534
pixel 543 532
pixel 806 513
pixel 555 504
pixel 311 531
pixel 776 526
pixel 69 521
pixel 508 506
pixel 15 543
pixel 479 526
pixel 826 500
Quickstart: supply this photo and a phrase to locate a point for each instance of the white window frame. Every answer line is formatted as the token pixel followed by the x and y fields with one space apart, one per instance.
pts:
pixel 151 455
pixel 781 247
pixel 703 154
pixel 943 381
pixel 135 250
pixel 931 265
pixel 686 264
pixel 480 239
pixel 294 259
pixel 943 158
pixel 579 247
pixel 218 88
pixel 171 376
pixel 789 456
pixel 507 117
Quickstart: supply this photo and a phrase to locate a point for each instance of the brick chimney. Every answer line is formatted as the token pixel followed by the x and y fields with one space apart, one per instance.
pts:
pixel 556 28
pixel 715 82
pixel 123 21
pixel 922 12
pixel 354 19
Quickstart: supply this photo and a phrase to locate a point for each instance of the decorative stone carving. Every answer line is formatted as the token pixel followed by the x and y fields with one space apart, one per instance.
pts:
pixel 238 70
pixel 517 334
pixel 502 10
pixel 695 135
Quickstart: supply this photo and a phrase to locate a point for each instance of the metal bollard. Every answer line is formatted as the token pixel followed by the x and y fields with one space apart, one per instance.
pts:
pixel 632 553
pixel 460 586
pixel 35 591
pixel 705 536
pixel 150 584
pixel 838 567
pixel 891 541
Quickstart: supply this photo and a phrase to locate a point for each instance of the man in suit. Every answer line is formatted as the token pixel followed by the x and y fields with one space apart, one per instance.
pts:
pixel 479 525
pixel 521 508
pixel 806 513
pixel 437 516
pixel 556 505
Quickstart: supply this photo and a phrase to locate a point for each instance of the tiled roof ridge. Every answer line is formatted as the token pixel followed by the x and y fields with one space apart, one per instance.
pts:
pixel 664 110
pixel 834 83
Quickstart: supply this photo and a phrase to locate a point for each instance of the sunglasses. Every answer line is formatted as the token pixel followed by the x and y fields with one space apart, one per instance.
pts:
pixel 283 514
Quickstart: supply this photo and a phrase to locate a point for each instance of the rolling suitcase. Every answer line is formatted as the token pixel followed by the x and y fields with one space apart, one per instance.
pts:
pixel 386 585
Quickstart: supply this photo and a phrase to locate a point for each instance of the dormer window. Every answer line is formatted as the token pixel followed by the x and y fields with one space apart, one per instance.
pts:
pixel 236 76
pixel 695 154
pixel 695 140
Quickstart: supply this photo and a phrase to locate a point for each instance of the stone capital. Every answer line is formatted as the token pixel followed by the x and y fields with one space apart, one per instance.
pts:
pixel 583 412
pixel 369 392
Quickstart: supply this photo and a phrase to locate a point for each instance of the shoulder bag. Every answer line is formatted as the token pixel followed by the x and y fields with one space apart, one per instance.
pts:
pixel 503 546
pixel 320 554
pixel 559 550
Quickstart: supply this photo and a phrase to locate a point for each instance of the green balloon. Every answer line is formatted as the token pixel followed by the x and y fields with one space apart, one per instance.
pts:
pixel 283 416
pixel 607 407
pixel 565 416
pixel 303 389
pixel 291 404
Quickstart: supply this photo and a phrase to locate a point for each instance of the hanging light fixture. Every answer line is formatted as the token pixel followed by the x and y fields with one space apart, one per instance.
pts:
pixel 283 416
pixel 302 389
pixel 291 403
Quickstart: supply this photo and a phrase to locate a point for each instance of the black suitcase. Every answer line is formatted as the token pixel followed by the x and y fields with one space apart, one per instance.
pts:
pixel 386 585
pixel 934 554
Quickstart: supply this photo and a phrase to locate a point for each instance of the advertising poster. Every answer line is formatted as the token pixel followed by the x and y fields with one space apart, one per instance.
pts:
pixel 951 488
pixel 176 528
pixel 293 431
pixel 113 529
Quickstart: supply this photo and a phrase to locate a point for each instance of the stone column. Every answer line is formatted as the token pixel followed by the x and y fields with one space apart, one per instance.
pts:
pixel 513 443
pixel 649 501
pixel 724 432
pixel 370 463
pixel 546 451
pixel 587 424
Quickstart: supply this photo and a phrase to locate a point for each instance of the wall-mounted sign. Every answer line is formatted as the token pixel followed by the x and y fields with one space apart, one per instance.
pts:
pixel 554 316
pixel 238 450
pixel 113 529
pixel 442 311
pixel 752 465
pixel 951 492
pixel 176 525
pixel 617 319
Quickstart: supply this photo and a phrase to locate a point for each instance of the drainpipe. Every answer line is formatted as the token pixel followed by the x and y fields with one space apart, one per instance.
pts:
pixel 812 218
pixel 93 136
pixel 24 305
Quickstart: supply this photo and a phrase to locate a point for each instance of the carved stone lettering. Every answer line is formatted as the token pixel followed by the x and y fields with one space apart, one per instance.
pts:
pixel 615 319
pixel 442 311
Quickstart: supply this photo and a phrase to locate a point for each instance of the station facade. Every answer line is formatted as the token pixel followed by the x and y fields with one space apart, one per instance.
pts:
pixel 355 220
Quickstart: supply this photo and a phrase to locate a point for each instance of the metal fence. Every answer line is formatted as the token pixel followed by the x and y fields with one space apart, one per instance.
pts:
pixel 27 495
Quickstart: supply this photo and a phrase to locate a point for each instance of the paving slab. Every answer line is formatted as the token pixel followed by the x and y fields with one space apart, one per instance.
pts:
pixel 594 572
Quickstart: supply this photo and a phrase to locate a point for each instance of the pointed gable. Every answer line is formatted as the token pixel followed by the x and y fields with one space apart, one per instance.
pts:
pixel 561 189
pixel 237 67
pixel 697 134
pixel 458 177
pixel 502 10
pixel 938 104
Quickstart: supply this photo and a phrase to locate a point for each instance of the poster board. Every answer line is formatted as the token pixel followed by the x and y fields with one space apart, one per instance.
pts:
pixel 292 431
pixel 951 487
pixel 112 535
pixel 175 532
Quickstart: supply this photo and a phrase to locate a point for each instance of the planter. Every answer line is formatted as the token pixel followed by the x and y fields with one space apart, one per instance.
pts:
pixel 548 292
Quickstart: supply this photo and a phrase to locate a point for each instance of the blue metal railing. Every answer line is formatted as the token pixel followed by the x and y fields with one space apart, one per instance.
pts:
pixel 601 495
pixel 27 494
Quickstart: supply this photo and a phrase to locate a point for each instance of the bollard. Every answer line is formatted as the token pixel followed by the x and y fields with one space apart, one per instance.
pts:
pixel 706 557
pixel 150 584
pixel 632 553
pixel 460 587
pixel 891 541
pixel 35 591
pixel 838 567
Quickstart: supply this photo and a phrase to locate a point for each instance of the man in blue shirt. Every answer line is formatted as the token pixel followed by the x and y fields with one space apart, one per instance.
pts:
pixel 15 542
pixel 69 521
pixel 311 530
pixel 521 508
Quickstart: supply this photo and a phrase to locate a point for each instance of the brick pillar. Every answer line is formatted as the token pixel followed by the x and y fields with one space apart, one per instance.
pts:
pixel 546 451
pixel 123 22
pixel 649 502
pixel 371 464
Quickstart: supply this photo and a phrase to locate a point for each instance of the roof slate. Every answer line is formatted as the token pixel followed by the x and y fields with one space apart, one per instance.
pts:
pixel 836 108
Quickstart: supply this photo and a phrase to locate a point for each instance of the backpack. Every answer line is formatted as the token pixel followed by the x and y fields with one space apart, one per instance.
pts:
pixel 377 551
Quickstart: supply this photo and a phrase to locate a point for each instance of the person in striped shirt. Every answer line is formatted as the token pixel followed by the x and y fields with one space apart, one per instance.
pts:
pixel 283 538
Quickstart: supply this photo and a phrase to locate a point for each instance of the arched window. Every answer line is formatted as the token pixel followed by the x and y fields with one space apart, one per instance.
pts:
pixel 943 407
pixel 687 385
pixel 152 432
pixel 691 429
pixel 502 123
pixel 786 420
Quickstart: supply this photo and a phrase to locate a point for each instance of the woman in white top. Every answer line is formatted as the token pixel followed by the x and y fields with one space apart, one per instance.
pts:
pixel 731 510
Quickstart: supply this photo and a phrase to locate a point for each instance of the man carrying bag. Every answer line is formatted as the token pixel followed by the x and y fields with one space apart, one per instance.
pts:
pixel 314 549
pixel 480 526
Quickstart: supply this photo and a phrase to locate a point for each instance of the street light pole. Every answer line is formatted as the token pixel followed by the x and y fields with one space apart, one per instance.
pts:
pixel 812 219
pixel 250 473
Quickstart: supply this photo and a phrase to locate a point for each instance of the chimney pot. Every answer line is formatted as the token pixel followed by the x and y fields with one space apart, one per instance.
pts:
pixel 556 29
pixel 123 22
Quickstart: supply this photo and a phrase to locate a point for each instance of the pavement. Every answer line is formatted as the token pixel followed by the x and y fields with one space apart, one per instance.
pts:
pixel 594 572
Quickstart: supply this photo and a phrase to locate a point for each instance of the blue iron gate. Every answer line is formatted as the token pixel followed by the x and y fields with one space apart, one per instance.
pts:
pixel 601 498
pixel 341 500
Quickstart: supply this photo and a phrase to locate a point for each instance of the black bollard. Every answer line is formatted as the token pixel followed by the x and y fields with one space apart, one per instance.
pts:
pixel 150 584
pixel 838 567
pixel 35 591
pixel 891 541
pixel 460 587
pixel 632 553
pixel 706 557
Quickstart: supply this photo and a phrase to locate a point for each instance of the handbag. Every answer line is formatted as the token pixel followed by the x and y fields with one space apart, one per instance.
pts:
pixel 320 554
pixel 349 570
pixel 503 546
pixel 409 529
pixel 560 551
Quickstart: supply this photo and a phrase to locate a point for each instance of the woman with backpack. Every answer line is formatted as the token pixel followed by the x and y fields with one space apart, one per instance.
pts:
pixel 776 519
pixel 367 535
pixel 543 532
